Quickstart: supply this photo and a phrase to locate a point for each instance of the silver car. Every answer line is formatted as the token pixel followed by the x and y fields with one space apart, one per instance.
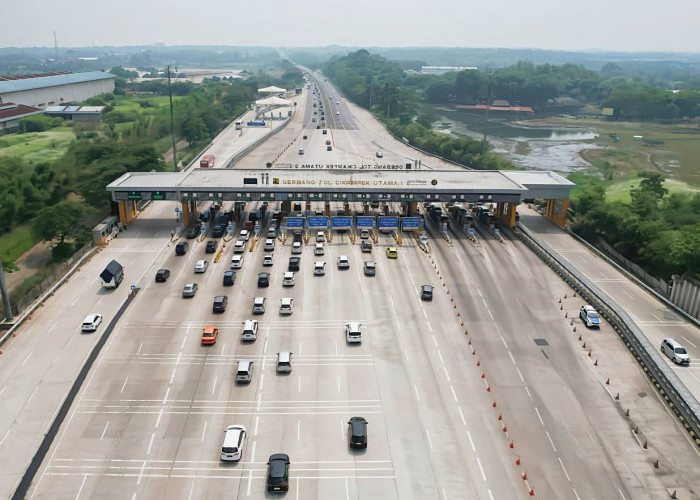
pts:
pixel 201 266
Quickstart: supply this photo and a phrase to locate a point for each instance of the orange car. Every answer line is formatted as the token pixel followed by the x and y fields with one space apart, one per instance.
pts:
pixel 209 334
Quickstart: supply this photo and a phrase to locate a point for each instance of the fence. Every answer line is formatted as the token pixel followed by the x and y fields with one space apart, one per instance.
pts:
pixel 656 283
pixel 685 293
pixel 54 273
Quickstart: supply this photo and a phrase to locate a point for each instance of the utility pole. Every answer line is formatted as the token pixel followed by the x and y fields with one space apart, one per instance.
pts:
pixel 484 144
pixel 172 121
pixel 5 297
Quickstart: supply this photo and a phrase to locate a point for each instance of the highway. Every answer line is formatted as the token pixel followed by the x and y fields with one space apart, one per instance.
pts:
pixel 484 392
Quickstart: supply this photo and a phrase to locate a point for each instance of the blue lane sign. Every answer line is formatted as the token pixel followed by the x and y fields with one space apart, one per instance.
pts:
pixel 386 222
pixel 177 209
pixel 295 222
pixel 133 287
pixel 229 229
pixel 318 221
pixel 203 228
pixel 364 221
pixel 341 222
pixel 409 223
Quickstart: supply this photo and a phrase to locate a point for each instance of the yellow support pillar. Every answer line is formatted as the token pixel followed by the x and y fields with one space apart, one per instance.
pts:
pixel 186 213
pixel 509 219
pixel 556 211
pixel 127 211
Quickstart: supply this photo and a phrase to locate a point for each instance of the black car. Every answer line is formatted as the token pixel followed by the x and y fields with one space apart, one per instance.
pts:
pixel 220 302
pixel 229 278
pixel 204 216
pixel 263 280
pixel 297 237
pixel 162 275
pixel 211 246
pixel 293 264
pixel 193 232
pixel 357 432
pixel 181 248
pixel 426 292
pixel 278 472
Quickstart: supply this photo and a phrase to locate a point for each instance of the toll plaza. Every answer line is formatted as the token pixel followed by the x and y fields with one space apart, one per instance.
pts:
pixel 504 189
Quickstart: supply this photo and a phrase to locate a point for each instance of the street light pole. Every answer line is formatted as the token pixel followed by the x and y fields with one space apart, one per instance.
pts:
pixel 172 122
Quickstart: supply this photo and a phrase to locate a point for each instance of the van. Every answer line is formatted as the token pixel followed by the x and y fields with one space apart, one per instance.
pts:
pixel 284 362
pixel 259 305
pixel 244 374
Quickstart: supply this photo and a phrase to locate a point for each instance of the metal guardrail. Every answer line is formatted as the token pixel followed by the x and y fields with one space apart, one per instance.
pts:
pixel 681 401
pixel 234 158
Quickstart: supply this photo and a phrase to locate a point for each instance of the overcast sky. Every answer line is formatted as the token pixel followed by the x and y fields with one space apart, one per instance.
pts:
pixel 616 25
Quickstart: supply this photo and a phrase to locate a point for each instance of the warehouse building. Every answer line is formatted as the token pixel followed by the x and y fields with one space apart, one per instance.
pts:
pixel 51 89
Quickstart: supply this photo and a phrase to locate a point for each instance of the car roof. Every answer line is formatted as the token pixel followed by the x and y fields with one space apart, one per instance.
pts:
pixel 286 300
pixel 288 274
pixel 279 456
pixel 190 285
pixel 353 325
pixel 210 328
pixel 258 300
pixel 91 317
pixel 284 356
pixel 220 298
pixel 244 363
pixel 319 263
pixel 343 257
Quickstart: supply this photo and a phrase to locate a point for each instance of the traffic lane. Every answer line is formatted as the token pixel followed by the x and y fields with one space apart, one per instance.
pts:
pixel 539 329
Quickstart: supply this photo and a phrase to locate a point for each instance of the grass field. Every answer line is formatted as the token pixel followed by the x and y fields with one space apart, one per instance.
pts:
pixel 37 147
pixel 15 243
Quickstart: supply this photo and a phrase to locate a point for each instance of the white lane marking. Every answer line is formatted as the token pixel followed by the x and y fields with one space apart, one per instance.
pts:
pixel 299 383
pixel 564 469
pixel 2 390
pixel 444 495
pixel 522 379
pixel 490 494
pixel 27 358
pixel 160 415
pixel 539 416
pixel 76 300
pixel 166 395
pixel 625 292
pixel 182 346
pixel 404 351
pixel 262 380
pixel 124 385
pixel 252 453
pixel 5 437
pixel 434 341
pixel 257 422
pixel 506 346
pixel 415 389
pixel 250 482
pixel 430 442
pixel 300 348
pixel 576 494
pixel 103 432
pixel 204 431
pixel 138 481
pixel 481 468
pixel 489 311
pixel 223 348
pixel 347 489
pixel 191 491
pixel 464 422
pixel 336 347
pixel 430 327
pixel 528 391
pixel 454 394
pixel 471 441
pixel 620 492
pixel 425 315
pixel 440 356
pixel 81 487
pixel 298 429
pixel 172 377
pixel 32 394
pixel 511 357
pixel 447 374
pixel 657 318
pixel 338 380
pixel 150 444
pixel 139 350
pixel 213 387
pixel 550 440
pixel 688 341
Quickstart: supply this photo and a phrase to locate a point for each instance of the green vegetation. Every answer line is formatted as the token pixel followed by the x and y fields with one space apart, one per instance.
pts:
pixel 14 244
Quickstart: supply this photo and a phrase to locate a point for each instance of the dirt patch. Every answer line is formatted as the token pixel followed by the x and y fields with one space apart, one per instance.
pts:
pixel 29 263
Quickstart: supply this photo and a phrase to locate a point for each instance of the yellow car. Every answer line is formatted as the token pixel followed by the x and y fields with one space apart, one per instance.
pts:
pixel 392 253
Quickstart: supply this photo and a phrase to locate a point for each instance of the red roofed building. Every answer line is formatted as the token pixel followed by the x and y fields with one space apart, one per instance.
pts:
pixel 11 113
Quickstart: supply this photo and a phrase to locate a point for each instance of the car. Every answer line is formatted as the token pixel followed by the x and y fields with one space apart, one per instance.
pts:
pixel 343 262
pixel 380 154
pixel 366 246
pixel 426 292
pixel 296 247
pixel 193 232
pixel 220 303
pixel 267 259
pixel 201 266
pixel 181 248
pixel 589 316
pixel 272 233
pixel 239 246
pixel 210 334
pixel 244 235
pixel 329 148
pixel 229 278
pixel 269 245
pixel 91 322
pixel 234 442
pixel 288 279
pixel 392 253
pixel 353 333
pixel 236 262
pixel 190 289
pixel 337 103
pixel 250 330
pixel 320 237
pixel 357 432
pixel 211 246
pixel 337 112
pixel 286 306
pixel 244 373
pixel 319 249
pixel 259 305
pixel 325 131
pixel 675 351
pixel 263 280
pixel 162 275
pixel 204 216
pixel 370 268
pixel 319 268
pixel 364 234
pixel 278 472
pixel 297 234
pixel 284 362
pixel 294 263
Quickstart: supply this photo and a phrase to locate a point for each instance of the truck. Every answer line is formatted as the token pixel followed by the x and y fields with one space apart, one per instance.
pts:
pixel 207 161
pixel 256 123
pixel 112 275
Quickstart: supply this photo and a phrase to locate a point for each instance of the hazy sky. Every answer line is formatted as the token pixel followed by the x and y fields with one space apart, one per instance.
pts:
pixel 619 25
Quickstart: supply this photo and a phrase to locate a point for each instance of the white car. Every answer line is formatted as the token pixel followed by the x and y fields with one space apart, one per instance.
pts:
pixel 269 245
pixel 337 112
pixel 286 306
pixel 353 335
pixel 296 247
pixel 239 246
pixel 319 249
pixel 364 234
pixel 319 268
pixel 267 260
pixel 343 262
pixel 236 262
pixel 380 154
pixel 320 237
pixel 91 322
pixel 288 279
pixel 590 316
pixel 244 235
pixel 201 266
pixel 234 442
pixel 250 330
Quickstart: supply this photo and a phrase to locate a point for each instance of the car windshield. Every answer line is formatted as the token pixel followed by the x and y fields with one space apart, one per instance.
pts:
pixel 680 350
pixel 226 449
pixel 592 314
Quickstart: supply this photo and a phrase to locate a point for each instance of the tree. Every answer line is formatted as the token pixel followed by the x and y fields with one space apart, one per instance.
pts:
pixel 60 221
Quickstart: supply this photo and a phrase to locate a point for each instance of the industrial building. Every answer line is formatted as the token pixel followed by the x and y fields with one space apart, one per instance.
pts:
pixel 51 89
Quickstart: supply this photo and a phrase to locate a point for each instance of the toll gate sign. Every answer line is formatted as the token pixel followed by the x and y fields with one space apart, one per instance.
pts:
pixel 341 222
pixel 295 222
pixel 410 223
pixel 318 222
pixel 364 221
pixel 388 222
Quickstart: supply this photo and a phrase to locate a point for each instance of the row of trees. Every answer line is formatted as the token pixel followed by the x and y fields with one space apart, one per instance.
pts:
pixel 658 231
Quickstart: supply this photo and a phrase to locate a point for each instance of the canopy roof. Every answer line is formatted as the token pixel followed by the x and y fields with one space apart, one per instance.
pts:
pixel 271 90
